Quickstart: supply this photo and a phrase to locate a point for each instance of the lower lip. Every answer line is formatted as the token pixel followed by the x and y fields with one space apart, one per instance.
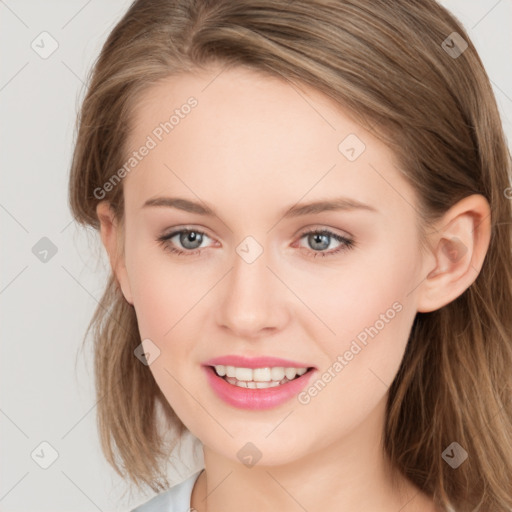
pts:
pixel 255 399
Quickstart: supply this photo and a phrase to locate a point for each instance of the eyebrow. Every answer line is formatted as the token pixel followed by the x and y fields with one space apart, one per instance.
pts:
pixel 336 204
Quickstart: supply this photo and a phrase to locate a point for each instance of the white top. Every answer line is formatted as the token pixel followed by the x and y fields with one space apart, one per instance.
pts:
pixel 175 499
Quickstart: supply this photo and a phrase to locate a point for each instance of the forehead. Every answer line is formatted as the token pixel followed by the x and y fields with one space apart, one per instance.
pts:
pixel 227 134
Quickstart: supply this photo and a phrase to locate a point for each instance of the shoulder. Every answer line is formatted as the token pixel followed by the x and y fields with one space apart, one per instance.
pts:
pixel 175 499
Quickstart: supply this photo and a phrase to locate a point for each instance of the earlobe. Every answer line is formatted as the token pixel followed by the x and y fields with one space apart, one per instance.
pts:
pixel 459 247
pixel 111 239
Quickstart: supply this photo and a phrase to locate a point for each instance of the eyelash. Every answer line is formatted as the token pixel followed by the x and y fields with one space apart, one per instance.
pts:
pixel 346 243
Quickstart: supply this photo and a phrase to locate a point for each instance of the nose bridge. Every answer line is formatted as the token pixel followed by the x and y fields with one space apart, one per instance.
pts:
pixel 251 300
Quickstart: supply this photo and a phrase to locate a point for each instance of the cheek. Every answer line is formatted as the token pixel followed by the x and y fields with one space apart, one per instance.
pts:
pixel 354 293
pixel 363 358
pixel 153 300
pixel 369 310
pixel 156 300
pixel 164 288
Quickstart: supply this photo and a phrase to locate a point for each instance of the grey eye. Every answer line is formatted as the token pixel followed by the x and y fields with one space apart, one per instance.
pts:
pixel 188 239
pixel 318 241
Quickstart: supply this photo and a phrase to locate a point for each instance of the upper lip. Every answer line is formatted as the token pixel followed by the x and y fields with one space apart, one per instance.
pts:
pixel 254 362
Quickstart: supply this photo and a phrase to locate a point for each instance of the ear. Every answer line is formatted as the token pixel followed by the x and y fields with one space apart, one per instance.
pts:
pixel 459 245
pixel 112 239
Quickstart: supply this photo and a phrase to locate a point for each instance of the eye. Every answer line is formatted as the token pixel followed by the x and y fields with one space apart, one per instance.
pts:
pixel 191 239
pixel 319 240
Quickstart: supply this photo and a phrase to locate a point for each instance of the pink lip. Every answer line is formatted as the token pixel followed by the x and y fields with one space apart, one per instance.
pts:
pixel 256 399
pixel 254 362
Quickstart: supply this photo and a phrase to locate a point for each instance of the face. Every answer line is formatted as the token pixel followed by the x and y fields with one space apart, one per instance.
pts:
pixel 327 289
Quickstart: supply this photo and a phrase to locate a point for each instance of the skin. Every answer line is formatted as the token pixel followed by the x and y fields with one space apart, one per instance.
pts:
pixel 253 147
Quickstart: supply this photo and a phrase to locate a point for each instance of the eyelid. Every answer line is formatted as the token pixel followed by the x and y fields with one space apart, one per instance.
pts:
pixel 179 229
pixel 323 227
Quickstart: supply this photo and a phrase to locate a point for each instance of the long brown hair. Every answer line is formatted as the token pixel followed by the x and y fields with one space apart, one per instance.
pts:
pixel 392 64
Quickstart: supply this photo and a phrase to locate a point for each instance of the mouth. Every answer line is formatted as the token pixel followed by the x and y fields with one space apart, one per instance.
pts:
pixel 256 383
pixel 259 378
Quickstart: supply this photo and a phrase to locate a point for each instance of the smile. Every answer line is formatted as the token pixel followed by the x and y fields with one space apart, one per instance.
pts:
pixel 258 378
pixel 257 388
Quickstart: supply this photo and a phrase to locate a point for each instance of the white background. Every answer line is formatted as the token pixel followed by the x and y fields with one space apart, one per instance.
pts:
pixel 47 306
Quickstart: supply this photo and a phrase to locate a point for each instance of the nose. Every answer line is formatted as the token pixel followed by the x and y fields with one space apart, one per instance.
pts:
pixel 253 300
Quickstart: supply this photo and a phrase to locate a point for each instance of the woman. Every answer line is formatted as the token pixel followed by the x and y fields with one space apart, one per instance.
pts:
pixel 306 209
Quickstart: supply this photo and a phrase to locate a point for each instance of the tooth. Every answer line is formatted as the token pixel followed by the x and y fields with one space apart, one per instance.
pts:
pixel 262 385
pixel 221 370
pixel 290 373
pixel 277 373
pixel 261 375
pixel 273 375
pixel 251 385
pixel 242 384
pixel 243 373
